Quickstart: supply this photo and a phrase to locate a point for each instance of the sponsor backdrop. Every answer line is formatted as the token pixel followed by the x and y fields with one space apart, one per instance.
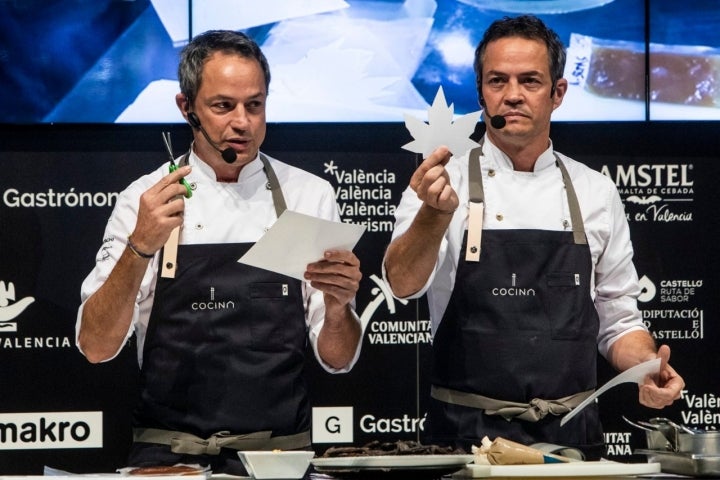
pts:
pixel 58 186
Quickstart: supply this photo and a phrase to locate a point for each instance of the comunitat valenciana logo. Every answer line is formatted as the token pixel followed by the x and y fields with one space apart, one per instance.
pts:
pixel 390 331
pixel 50 430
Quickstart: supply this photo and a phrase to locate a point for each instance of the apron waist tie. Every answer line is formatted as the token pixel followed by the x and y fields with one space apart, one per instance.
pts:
pixel 533 411
pixel 186 443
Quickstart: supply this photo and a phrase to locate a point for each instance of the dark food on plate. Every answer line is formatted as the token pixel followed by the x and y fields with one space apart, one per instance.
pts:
pixel 166 470
pixel 400 447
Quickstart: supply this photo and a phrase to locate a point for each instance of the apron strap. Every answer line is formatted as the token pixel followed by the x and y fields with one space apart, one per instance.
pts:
pixel 476 205
pixel 186 443
pixel 575 215
pixel 533 411
pixel 169 254
pixel 274 186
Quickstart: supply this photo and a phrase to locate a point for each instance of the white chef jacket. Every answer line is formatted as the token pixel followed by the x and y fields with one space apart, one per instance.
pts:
pixel 217 213
pixel 537 200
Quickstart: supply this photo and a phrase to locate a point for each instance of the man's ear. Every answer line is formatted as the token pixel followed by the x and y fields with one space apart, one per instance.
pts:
pixel 559 92
pixel 182 103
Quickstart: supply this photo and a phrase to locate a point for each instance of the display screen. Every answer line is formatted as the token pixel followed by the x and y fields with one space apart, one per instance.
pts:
pixel 115 61
pixel 684 60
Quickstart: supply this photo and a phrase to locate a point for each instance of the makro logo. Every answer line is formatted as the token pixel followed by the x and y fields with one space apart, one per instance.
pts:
pixel 332 425
pixel 50 430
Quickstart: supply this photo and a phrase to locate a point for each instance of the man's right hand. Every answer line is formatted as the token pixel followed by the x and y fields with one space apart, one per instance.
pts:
pixel 411 257
pixel 108 313
pixel 431 182
pixel 160 211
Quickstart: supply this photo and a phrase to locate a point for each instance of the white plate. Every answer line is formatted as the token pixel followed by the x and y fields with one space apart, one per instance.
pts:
pixel 267 464
pixel 571 469
pixel 390 462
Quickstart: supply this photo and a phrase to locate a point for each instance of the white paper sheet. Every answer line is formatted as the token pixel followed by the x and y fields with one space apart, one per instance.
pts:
pixel 296 240
pixel 635 374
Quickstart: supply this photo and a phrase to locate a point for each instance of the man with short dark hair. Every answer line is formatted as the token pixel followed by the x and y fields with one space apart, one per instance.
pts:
pixel 526 259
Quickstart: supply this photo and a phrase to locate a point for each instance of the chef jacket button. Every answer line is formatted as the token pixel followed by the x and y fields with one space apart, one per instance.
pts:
pixel 566 224
pixel 268 186
pixel 198 226
pixel 473 249
pixel 499 217
pixel 193 186
pixel 491 173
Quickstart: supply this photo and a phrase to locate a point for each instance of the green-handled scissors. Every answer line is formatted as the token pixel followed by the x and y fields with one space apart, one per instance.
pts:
pixel 173 166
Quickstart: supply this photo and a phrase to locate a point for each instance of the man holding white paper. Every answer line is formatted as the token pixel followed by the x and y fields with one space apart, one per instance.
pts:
pixel 526 259
pixel 221 344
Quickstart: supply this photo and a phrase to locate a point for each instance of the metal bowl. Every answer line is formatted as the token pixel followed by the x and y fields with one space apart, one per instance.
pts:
pixel 700 443
pixel 656 440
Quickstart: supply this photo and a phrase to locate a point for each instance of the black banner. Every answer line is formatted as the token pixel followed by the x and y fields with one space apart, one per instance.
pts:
pixel 58 410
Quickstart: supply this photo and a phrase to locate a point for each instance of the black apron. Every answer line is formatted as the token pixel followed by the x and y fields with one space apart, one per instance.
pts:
pixel 224 352
pixel 520 325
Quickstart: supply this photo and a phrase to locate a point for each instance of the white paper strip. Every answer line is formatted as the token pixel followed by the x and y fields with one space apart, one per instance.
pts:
pixel 635 374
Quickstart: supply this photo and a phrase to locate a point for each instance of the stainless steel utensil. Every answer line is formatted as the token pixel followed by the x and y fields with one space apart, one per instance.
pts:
pixel 658 437
pixel 638 425
pixel 673 424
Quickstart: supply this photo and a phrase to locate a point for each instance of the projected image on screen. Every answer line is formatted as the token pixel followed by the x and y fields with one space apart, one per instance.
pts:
pixel 684 61
pixel 113 61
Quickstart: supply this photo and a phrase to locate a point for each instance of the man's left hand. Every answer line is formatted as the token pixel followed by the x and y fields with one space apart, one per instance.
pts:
pixel 337 275
pixel 662 389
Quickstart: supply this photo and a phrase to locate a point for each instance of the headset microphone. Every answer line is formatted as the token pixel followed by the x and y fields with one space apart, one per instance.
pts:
pixel 497 121
pixel 229 155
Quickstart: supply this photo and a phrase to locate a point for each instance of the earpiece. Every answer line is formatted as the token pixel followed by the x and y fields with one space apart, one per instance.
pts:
pixel 193 120
pixel 229 154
